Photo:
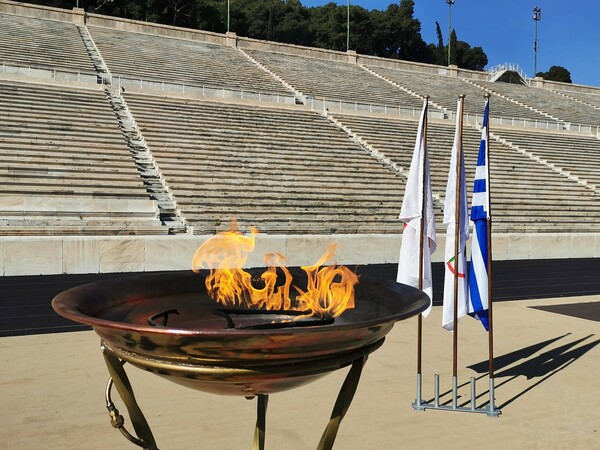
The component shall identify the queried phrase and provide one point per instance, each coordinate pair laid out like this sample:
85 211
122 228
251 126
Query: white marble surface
121 254
87 254
20 203
264 244
81 255
560 246
171 252
354 248
33 256
304 250
519 246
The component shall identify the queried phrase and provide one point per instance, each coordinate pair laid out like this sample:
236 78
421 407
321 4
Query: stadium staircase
104 75
64 166
528 154
548 101
573 97
529 195
155 184
377 154
402 88
580 164
40 43
300 97
491 88
444 91
286 171
142 156
335 81
586 98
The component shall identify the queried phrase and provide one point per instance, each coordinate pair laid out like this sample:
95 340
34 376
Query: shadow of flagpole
503 361
544 365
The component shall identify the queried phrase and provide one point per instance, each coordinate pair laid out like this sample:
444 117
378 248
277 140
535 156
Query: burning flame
329 291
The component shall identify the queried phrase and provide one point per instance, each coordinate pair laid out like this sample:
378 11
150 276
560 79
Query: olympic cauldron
169 325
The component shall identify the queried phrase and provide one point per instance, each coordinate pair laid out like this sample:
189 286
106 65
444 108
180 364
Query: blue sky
569 32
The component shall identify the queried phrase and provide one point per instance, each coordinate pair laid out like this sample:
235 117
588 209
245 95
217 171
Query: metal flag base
420 405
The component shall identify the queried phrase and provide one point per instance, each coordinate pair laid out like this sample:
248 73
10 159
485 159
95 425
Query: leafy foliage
556 73
392 33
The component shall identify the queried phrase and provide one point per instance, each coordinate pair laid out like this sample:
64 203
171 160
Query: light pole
450 3
228 16
537 16
348 29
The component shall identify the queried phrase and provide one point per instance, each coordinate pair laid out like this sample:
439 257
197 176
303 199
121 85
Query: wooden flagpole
459 157
421 242
492 406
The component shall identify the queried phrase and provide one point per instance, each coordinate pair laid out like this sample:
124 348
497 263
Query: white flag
413 207
450 265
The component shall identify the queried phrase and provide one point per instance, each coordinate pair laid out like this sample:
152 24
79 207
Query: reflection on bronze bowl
197 349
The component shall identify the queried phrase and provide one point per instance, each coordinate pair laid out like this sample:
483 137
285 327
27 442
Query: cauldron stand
145 439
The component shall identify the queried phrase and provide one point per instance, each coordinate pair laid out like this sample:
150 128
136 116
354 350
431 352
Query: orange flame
329 291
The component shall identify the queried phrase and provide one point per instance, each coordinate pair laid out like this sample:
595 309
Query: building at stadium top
125 144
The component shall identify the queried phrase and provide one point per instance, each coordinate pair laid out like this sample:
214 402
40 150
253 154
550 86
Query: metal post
457 214
473 394
537 16
436 390
450 3
348 29
228 16
419 399
489 259
492 406
422 236
454 391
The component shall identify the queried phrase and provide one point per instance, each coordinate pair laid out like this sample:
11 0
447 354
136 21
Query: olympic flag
414 208
453 200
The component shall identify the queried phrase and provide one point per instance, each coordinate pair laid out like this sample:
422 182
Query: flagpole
421 243
489 260
457 214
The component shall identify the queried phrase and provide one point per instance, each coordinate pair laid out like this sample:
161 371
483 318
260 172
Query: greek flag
480 214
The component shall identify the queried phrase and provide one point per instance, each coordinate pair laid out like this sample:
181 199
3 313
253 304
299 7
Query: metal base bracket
490 409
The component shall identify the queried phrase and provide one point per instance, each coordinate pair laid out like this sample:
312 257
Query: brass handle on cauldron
116 419
119 379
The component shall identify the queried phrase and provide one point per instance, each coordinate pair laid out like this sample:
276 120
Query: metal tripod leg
261 422
342 404
118 376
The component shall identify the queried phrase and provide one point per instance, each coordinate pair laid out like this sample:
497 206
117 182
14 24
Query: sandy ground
548 371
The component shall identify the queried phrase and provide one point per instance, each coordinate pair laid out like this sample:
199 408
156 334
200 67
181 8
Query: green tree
556 73
397 34
393 32
464 56
328 26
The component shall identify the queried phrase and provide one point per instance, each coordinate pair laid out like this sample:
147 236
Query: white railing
476 119
140 84
49 74
317 105
506 66
396 111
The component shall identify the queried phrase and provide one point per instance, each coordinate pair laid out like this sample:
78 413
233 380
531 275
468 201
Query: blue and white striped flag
480 214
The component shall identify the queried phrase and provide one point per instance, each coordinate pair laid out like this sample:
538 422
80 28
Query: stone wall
557 85
35 11
88 254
